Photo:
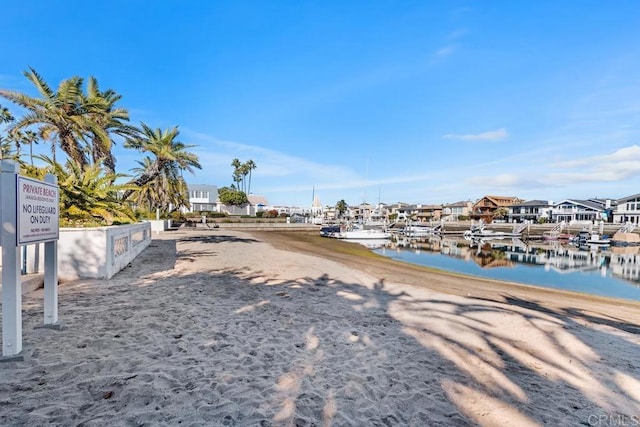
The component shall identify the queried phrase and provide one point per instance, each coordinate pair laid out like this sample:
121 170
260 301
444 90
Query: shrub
270 214
177 216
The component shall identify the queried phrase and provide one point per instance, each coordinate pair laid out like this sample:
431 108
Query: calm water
613 272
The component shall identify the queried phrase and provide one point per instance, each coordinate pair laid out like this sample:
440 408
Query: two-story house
485 208
453 211
531 210
203 198
428 213
627 210
570 210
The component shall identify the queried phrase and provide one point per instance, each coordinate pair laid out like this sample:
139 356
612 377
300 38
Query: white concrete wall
160 225
98 252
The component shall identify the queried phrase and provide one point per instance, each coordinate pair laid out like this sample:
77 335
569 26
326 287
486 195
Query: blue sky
413 101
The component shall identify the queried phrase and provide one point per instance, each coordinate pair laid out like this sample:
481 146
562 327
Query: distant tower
316 209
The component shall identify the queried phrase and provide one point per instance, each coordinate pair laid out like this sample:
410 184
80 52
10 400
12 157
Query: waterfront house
329 214
570 210
485 208
428 213
535 211
397 208
627 210
453 211
258 203
203 198
362 211
419 212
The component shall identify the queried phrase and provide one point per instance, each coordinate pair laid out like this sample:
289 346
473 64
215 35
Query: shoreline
611 309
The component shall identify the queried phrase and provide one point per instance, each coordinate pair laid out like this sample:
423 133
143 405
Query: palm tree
58 114
341 207
20 138
5 117
244 171
79 124
110 120
30 137
250 164
162 192
89 193
169 157
237 173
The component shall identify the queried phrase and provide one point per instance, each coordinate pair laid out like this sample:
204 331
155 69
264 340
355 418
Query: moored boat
477 231
358 233
418 230
354 231
329 230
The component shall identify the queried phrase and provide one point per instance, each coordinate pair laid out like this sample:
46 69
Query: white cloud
616 167
606 172
217 154
457 34
289 179
445 51
493 135
630 153
505 180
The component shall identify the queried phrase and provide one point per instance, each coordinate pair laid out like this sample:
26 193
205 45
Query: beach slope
223 328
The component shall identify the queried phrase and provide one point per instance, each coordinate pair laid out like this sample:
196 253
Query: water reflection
588 269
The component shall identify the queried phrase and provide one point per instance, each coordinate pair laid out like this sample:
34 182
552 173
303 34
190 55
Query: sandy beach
221 327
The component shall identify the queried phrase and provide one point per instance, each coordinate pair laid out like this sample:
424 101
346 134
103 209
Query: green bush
177 216
231 196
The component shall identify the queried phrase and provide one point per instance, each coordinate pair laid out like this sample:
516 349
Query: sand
221 328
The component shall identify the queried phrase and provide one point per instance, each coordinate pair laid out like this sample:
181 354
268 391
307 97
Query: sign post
29 214
11 281
51 272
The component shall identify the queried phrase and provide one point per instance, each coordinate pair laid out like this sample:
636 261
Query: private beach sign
38 216
29 213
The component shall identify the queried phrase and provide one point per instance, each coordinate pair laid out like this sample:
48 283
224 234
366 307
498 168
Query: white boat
596 239
330 230
359 234
587 238
478 232
418 230
359 231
